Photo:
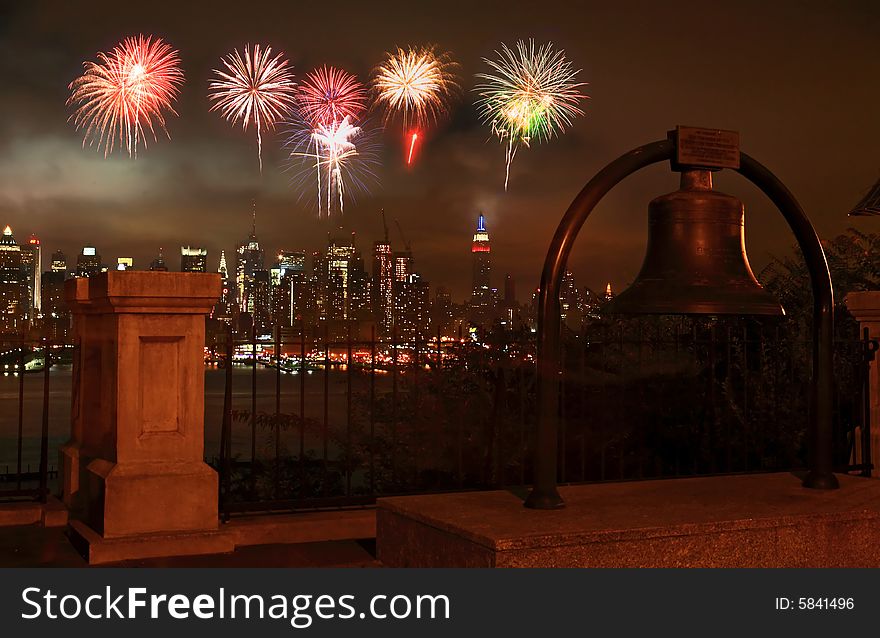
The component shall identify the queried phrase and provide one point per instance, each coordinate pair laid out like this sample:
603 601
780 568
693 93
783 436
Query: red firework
125 92
328 95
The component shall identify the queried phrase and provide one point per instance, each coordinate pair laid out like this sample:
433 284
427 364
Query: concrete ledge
20 513
764 520
302 528
96 549
267 529
52 513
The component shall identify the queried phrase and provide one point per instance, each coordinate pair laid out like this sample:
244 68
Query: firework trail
256 88
417 84
328 95
412 147
530 94
338 156
335 144
330 102
119 97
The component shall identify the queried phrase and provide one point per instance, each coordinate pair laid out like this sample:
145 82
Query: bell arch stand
544 493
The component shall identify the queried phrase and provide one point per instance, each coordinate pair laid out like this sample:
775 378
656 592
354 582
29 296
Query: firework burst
326 137
531 94
334 157
417 84
329 95
256 88
126 93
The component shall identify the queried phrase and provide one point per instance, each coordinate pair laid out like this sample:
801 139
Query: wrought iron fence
675 397
25 472
309 419
312 420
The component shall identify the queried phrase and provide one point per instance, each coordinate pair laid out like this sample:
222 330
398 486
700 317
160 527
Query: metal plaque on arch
706 148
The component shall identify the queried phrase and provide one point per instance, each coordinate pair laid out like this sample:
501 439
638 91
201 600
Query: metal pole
349 369
439 353
44 432
417 433
372 408
20 410
326 428
226 431
277 404
544 494
869 348
253 394
821 433
393 402
562 415
302 407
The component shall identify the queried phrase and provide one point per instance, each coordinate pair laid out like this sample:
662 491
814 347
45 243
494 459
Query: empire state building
481 296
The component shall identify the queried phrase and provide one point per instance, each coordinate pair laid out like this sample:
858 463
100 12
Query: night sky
799 80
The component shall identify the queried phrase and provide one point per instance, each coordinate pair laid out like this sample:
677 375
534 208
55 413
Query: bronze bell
696 260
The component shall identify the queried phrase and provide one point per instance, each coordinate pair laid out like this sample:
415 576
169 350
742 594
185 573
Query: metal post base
539 499
820 481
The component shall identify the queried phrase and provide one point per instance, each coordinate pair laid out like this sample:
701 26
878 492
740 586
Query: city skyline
206 176
196 252
328 290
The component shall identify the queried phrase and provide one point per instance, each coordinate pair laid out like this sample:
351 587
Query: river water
59 410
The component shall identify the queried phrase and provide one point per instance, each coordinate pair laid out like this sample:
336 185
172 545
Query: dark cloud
798 79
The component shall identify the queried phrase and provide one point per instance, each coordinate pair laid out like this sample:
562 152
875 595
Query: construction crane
403 237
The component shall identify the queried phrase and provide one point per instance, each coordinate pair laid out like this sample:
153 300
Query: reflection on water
59 409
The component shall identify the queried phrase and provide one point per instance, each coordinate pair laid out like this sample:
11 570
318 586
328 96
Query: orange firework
119 97
417 84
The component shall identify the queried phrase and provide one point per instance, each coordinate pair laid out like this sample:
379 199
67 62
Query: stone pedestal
134 468
865 307
760 520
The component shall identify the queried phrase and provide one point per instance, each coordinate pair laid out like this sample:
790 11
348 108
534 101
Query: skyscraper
88 262
222 269
291 261
509 307
570 302
249 259
340 256
286 276
13 287
383 282
158 264
403 265
32 264
193 259
223 308
609 294
481 295
509 290
442 312
59 262
359 290
262 302
412 305
55 313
